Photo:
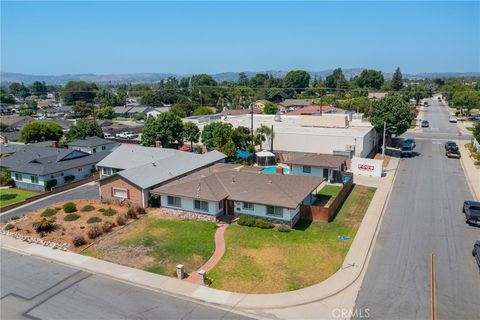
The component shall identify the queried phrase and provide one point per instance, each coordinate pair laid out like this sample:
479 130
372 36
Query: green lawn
469 128
158 243
327 192
12 195
266 260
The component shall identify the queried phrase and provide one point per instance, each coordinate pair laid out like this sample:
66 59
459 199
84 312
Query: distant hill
7 77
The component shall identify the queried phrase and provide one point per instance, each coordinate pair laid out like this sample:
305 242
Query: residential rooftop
91 142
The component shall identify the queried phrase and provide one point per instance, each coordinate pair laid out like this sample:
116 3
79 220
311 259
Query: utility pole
383 144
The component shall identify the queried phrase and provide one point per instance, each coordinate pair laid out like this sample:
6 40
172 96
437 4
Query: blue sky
193 37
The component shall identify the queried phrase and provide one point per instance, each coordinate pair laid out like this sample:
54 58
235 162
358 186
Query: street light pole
383 144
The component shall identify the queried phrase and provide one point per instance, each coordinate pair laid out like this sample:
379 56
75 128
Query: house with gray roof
93 145
228 189
130 172
36 168
327 166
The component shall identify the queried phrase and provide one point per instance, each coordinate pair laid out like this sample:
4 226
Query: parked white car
108 136
453 119
127 135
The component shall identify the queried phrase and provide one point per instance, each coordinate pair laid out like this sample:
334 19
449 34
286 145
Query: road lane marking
433 298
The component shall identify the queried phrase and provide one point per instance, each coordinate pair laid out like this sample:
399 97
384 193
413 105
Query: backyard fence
476 145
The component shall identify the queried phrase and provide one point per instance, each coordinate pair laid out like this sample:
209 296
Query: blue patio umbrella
243 154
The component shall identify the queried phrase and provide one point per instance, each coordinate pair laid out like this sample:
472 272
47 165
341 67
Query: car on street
452 151
126 135
452 119
410 141
474 118
406 150
425 103
425 124
476 252
108 136
449 144
471 209
439 99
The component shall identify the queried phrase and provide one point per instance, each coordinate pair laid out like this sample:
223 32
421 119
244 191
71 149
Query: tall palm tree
262 134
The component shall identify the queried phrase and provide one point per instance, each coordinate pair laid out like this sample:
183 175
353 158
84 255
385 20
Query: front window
307 169
200 205
120 193
18 176
174 201
248 206
274 211
34 179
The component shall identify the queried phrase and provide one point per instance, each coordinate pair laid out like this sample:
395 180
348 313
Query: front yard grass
157 243
12 195
327 192
266 261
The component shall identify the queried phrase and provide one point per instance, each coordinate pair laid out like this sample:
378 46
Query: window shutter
128 193
111 191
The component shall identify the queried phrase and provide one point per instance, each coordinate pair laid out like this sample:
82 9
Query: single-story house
260 104
130 172
15 122
131 110
5 110
12 136
293 104
326 166
229 189
35 167
93 145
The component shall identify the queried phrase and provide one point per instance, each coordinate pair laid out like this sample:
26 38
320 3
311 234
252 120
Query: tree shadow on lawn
302 225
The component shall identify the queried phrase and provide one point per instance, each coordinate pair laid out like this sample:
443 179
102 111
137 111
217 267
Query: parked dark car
476 252
453 152
425 124
410 141
407 150
472 212
473 118
449 144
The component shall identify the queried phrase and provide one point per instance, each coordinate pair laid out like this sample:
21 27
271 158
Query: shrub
94 220
69 178
263 224
49 184
5 178
122 219
69 207
48 212
101 210
141 210
109 212
107 226
87 208
44 224
284 228
94 231
71 217
79 241
8 227
247 221
131 214
14 218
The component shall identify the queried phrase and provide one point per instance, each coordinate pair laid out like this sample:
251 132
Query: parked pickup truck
472 212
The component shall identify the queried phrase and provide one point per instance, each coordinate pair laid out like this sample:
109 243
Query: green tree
83 109
393 110
6 98
263 134
84 128
222 139
79 91
370 79
107 97
242 79
297 79
202 111
191 133
270 108
19 90
466 99
38 131
476 131
39 89
26 112
397 80
241 138
106 112
208 133
166 128
202 80
336 80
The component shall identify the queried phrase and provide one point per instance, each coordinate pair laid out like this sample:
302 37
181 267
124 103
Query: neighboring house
60 111
130 172
293 104
93 145
207 118
5 110
376 95
314 110
34 167
157 111
64 123
326 166
234 190
260 104
6 137
130 110
15 122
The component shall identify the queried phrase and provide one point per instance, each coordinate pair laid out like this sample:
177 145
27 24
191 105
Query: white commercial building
329 133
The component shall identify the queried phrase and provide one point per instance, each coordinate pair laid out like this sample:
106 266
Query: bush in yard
49 184
69 178
131 214
107 226
79 241
94 220
94 231
263 224
247 221
141 210
44 224
8 227
101 210
48 212
87 208
122 219
69 207
109 212
71 217
284 228
15 218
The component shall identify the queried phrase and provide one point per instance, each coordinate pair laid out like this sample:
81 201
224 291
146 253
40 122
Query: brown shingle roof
235 183
317 160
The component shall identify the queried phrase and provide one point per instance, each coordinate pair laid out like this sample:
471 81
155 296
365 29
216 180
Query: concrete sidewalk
277 304
472 173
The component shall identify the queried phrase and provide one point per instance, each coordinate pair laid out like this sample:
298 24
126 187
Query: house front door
325 173
230 208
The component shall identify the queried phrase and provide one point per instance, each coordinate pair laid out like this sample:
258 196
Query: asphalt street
35 288
87 191
422 217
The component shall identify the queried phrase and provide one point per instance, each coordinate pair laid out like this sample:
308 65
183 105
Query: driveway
88 191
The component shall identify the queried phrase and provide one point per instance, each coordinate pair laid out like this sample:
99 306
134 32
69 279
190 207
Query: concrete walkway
471 171
317 299
215 258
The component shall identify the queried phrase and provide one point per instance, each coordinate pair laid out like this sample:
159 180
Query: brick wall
134 193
